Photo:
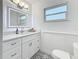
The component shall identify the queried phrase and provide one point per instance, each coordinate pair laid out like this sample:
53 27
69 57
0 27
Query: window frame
56 6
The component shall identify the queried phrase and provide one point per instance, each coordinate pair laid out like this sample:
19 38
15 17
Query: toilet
59 54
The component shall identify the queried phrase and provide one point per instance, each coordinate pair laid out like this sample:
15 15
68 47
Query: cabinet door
25 51
30 49
36 45
33 47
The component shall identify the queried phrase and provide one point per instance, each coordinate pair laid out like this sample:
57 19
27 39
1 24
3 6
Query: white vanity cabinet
12 49
21 46
30 45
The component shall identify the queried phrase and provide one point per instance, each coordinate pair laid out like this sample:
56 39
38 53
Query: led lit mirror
17 18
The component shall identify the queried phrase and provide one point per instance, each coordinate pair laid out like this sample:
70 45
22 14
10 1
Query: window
56 13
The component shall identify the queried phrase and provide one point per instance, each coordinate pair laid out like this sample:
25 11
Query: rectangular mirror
17 18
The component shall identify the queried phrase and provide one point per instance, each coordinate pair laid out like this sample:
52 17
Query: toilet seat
61 54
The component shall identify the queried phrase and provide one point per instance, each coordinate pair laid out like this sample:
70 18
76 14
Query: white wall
48 42
69 26
1 29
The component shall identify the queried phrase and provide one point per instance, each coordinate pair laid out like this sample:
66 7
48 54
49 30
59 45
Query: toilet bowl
59 54
75 45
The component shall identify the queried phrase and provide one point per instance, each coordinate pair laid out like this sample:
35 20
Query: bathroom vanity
21 46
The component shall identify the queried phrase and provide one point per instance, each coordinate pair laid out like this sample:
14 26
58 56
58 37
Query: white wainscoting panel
53 40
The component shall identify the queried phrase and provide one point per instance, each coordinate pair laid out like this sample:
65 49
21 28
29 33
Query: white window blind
56 13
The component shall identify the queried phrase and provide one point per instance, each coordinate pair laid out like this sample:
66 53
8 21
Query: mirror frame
8 17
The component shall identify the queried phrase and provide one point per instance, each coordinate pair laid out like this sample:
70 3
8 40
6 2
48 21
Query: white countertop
13 36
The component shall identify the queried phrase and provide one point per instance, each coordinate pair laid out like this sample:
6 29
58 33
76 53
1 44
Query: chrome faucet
22 29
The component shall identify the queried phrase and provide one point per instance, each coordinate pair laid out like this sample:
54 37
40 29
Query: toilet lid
61 54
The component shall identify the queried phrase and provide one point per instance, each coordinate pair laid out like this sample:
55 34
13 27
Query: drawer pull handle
30 44
13 44
13 55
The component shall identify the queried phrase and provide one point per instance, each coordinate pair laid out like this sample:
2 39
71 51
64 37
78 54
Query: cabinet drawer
27 38
35 36
11 45
12 54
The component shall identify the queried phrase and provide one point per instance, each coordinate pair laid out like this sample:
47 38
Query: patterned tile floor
41 55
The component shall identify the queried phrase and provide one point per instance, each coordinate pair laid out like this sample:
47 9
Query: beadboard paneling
62 41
